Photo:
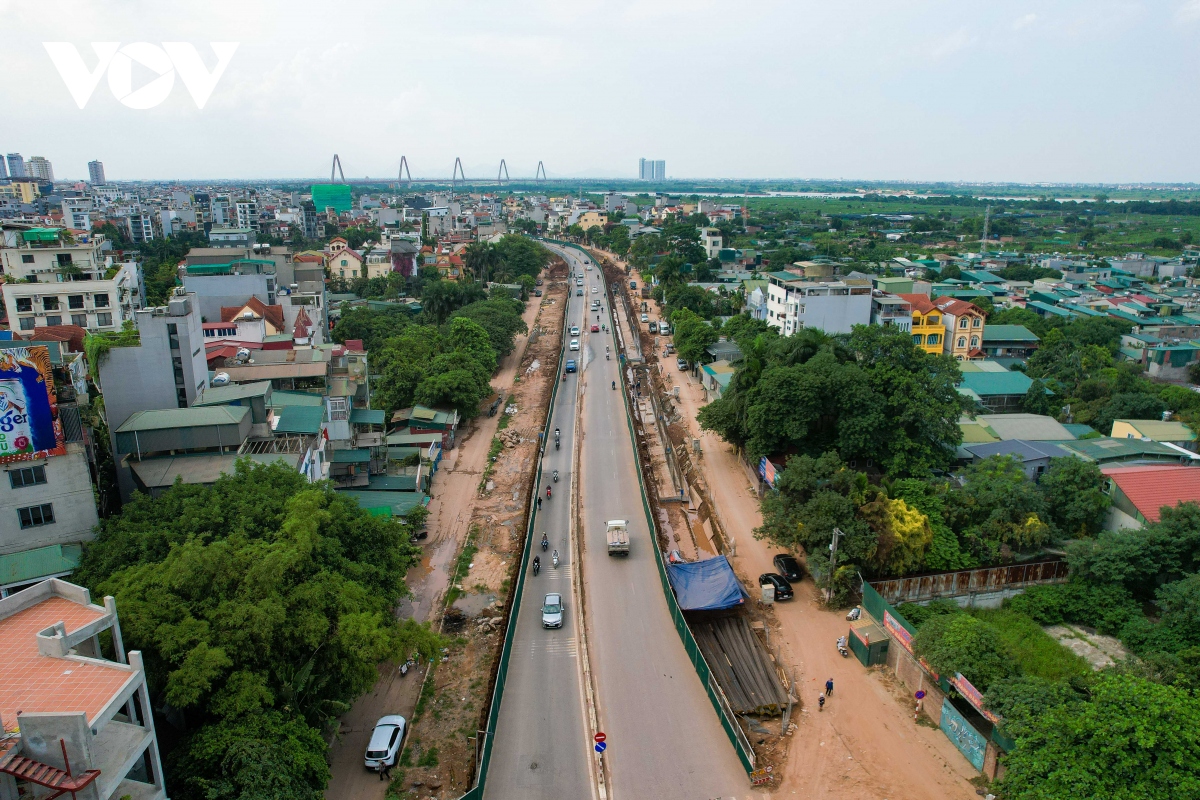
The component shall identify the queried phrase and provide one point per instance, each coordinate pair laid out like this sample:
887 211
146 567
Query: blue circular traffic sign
601 747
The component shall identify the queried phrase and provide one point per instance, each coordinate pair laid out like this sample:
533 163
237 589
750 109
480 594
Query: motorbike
556 476
606 356
557 444
545 541
614 384
554 558
537 565
842 648
854 614
547 492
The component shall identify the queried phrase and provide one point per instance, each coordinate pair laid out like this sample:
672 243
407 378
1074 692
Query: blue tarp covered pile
708 585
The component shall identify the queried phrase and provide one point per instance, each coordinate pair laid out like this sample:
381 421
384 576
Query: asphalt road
664 738
542 745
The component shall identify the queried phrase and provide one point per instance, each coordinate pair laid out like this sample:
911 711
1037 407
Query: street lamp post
833 546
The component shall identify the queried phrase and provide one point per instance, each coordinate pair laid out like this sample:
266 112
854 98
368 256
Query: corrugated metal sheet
38 563
971 581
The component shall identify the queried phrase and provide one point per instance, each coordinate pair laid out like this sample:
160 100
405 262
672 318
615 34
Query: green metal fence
485 758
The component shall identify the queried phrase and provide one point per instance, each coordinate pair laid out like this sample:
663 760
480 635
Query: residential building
77 213
139 226
890 310
73 720
1009 342
834 307
100 303
710 240
928 330
46 255
221 214
246 214
347 264
40 168
649 170
16 166
1154 430
1027 427
196 445
592 219
223 284
3 170
964 324
1139 493
242 237
993 386
1034 456
96 173
1105 450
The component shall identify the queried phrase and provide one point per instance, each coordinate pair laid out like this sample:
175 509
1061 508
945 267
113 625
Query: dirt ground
490 511
865 743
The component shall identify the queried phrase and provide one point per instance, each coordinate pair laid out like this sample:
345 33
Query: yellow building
21 191
963 324
592 219
927 328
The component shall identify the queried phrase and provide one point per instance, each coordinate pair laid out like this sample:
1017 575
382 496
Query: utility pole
983 241
833 547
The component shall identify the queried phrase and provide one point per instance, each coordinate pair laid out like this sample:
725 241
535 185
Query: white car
552 611
595 289
574 344
645 318
574 330
386 740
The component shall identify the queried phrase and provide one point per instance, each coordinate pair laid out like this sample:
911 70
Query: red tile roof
272 314
1150 488
956 307
71 334
31 682
919 302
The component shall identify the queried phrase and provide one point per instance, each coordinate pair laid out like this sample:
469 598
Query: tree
692 335
999 511
1037 401
902 532
964 644
1140 560
1131 739
1128 405
1021 699
945 551
1075 496
500 317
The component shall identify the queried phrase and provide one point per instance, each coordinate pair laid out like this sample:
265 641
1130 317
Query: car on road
538 282
579 292
595 290
574 330
574 344
783 589
595 328
595 304
633 284
384 748
654 327
664 328
552 611
570 365
682 364
537 292
788 566
645 318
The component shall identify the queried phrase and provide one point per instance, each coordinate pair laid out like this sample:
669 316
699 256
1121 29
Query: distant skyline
1022 92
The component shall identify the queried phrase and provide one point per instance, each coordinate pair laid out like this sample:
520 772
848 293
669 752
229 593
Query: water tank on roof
248 315
243 354
220 379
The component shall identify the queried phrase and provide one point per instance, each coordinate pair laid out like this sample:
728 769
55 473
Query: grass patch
1034 650
493 454
429 758
461 565
395 789
504 420
427 694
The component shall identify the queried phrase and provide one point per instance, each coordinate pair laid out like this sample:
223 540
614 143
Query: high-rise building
38 167
3 170
16 166
652 170
96 173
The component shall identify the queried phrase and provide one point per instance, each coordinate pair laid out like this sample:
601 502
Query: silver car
386 741
552 611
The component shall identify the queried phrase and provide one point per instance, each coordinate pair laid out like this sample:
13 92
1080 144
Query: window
74 301
962 323
933 339
974 341
962 341
933 320
79 319
104 320
975 323
64 259
24 304
100 300
27 323
918 339
54 319
181 397
36 516
29 476
50 303
26 258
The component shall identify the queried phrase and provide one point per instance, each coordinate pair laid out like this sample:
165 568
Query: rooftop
219 395
987 384
195 417
300 419
1158 430
1031 427
1008 333
1150 488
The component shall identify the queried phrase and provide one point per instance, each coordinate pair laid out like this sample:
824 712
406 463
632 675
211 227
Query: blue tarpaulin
707 585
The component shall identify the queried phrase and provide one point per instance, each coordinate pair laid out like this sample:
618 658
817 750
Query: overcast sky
1086 91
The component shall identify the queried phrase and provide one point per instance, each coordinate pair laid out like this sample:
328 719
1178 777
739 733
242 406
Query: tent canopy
708 585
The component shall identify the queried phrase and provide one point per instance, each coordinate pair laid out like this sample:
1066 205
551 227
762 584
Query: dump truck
618 537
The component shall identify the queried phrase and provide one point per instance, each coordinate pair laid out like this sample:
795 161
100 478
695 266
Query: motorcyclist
537 564
545 540
556 476
547 491
614 384
554 557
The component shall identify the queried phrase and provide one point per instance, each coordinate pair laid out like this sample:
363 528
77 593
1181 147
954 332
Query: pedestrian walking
385 772
539 504
829 687
821 703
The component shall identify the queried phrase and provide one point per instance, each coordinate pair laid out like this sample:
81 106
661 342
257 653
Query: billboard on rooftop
29 424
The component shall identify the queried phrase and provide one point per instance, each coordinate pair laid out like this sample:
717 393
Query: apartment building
96 173
77 213
834 307
928 330
888 310
71 282
40 168
963 323
710 240
246 214
73 720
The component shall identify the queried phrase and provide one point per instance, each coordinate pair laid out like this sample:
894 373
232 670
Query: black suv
788 567
783 589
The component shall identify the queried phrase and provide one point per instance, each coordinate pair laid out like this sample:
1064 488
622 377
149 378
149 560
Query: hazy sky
1083 90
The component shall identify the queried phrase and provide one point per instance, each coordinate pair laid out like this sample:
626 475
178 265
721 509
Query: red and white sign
600 737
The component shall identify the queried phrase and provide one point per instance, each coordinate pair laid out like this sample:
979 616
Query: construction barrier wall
485 758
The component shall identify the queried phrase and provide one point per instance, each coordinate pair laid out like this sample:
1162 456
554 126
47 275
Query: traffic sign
600 737
601 747
920 695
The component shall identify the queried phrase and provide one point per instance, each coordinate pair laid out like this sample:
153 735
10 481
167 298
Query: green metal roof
1106 449
220 395
195 417
1008 333
281 398
1078 429
41 562
224 269
432 437
987 384
300 419
399 502
393 483
359 456
367 416
41 234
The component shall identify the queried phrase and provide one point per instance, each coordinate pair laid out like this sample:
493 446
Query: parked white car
386 740
574 344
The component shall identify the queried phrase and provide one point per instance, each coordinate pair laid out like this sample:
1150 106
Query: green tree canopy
1075 496
965 644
